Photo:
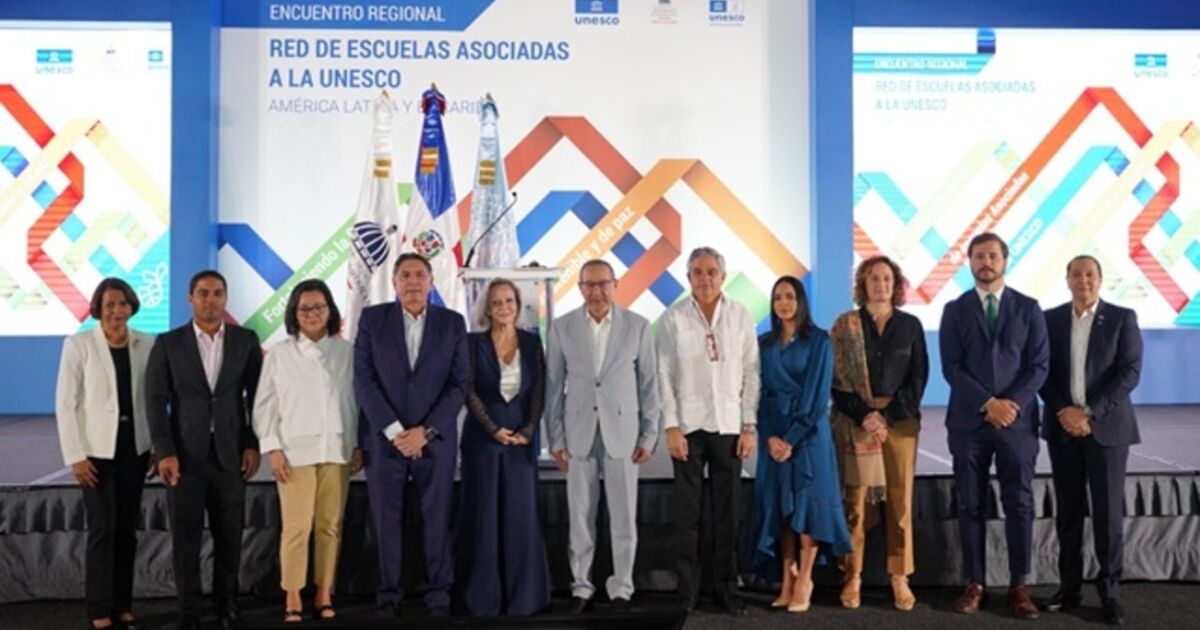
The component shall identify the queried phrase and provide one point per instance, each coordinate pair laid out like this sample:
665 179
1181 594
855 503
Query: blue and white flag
433 229
378 224
498 249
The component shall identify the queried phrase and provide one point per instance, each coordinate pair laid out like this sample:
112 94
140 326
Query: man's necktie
991 313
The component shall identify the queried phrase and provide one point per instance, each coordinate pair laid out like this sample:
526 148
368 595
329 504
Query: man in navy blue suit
410 374
995 357
1089 424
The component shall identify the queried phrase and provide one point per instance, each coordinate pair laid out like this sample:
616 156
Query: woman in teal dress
797 495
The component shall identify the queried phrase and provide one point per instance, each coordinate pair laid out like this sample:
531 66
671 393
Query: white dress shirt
601 331
698 391
999 293
510 376
305 403
414 332
1081 331
212 352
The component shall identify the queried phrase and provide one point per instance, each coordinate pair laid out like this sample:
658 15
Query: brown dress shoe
972 596
1021 605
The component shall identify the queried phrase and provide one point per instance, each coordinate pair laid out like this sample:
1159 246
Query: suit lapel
1094 334
975 305
137 361
192 349
527 357
101 346
426 337
616 330
400 324
581 330
1007 305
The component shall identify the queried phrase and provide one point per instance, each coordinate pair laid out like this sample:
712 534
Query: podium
536 285
537 290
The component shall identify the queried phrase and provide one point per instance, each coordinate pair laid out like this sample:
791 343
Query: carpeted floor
1161 606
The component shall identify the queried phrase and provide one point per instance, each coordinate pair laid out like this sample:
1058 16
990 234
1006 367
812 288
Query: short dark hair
113 284
988 237
207 273
899 282
804 322
407 256
1099 268
598 262
292 322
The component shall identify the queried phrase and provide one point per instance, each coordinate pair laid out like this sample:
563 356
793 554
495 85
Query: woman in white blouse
105 440
305 416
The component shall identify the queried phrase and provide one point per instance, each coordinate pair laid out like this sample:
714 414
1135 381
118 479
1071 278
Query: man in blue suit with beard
995 356
410 374
1089 425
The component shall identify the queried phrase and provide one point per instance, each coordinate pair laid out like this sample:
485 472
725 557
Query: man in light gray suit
602 414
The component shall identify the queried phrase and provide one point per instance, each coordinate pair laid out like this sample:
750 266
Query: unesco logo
726 12
597 13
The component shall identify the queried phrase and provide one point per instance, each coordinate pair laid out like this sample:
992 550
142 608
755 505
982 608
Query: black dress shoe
439 611
229 621
132 624
687 603
621 605
733 606
1114 615
187 623
1062 601
390 610
579 605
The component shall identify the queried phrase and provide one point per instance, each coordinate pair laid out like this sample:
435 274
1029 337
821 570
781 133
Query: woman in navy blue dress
797 497
502 565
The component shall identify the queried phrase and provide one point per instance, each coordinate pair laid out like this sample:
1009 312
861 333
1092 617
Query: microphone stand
509 207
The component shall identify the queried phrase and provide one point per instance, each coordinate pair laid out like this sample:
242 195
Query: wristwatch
431 434
749 428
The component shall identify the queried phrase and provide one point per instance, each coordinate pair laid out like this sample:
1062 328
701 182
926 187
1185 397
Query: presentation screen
1064 142
631 131
85 148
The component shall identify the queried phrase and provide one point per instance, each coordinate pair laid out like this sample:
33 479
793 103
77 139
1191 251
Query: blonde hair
482 317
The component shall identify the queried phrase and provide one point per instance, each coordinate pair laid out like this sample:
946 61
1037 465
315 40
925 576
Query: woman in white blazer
306 419
105 440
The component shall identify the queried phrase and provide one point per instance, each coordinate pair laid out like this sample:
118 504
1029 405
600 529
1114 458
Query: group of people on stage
834 418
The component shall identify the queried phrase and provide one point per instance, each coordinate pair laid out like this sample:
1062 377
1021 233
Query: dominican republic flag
378 224
433 229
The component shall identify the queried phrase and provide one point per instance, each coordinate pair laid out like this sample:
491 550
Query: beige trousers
314 496
899 460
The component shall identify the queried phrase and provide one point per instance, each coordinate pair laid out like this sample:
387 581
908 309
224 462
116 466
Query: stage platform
42 520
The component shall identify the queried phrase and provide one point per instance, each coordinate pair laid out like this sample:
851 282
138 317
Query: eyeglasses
316 309
714 352
595 284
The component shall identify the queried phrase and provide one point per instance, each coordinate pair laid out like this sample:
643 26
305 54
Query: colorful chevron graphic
1059 216
72 240
609 227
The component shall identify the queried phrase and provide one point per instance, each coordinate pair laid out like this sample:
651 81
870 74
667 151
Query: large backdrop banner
1063 141
85 122
632 131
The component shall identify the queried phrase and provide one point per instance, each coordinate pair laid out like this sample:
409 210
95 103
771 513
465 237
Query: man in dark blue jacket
1089 425
995 357
410 374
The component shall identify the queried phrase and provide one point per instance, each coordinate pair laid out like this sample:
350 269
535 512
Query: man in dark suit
995 357
200 384
1089 424
410 374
